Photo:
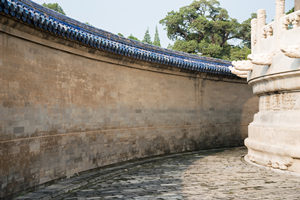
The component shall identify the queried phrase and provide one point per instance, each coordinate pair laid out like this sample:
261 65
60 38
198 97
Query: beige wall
65 108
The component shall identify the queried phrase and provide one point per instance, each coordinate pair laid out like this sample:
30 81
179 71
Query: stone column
280 9
261 22
280 12
253 34
297 5
261 19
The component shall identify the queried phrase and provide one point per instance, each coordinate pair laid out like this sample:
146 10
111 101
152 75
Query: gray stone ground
214 174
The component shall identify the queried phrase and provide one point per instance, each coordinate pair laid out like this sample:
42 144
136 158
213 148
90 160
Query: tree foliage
133 37
147 37
291 11
203 27
156 40
245 31
87 23
54 6
239 53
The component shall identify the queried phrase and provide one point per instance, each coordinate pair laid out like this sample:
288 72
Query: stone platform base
280 171
274 146
274 135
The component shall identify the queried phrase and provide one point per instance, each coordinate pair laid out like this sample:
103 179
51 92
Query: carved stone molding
292 51
239 73
243 65
291 21
277 102
285 81
261 59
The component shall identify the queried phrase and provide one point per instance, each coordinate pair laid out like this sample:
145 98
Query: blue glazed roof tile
63 26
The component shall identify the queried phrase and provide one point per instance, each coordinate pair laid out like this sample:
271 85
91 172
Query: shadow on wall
250 108
227 108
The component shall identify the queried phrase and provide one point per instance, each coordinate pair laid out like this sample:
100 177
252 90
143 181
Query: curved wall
67 108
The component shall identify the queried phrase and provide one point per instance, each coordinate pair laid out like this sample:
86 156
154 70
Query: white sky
135 16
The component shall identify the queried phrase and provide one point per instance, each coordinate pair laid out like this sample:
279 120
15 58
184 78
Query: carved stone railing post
261 22
253 34
280 12
297 5
280 9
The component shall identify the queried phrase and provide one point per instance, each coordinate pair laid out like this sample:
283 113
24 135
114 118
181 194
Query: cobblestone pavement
214 174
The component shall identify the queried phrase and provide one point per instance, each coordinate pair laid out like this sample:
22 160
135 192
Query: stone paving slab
215 174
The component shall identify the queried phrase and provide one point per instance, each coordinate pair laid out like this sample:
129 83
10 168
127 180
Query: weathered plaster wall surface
65 108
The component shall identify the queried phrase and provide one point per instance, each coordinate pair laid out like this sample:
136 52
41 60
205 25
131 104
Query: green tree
291 11
190 46
120 34
133 37
245 31
170 46
54 6
204 27
156 41
239 53
147 37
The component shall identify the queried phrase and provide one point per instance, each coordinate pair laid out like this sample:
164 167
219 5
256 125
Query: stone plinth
274 135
